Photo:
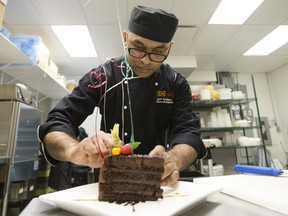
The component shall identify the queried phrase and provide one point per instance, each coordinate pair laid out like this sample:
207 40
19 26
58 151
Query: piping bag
258 170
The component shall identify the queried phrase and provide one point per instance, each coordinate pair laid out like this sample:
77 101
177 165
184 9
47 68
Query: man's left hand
171 173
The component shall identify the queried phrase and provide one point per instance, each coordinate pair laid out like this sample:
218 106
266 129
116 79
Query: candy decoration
126 149
116 151
115 135
119 148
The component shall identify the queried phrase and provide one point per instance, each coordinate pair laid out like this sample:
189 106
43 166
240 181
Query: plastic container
218 170
237 95
248 141
225 94
205 94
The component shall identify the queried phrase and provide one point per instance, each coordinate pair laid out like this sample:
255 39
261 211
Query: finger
169 167
171 179
95 150
157 151
87 146
106 139
100 146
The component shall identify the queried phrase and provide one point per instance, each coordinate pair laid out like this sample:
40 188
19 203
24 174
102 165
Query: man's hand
171 173
89 152
180 157
92 150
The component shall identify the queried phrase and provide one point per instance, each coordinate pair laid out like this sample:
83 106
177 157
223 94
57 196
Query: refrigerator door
27 144
18 134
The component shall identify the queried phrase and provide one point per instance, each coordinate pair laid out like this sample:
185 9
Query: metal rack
206 105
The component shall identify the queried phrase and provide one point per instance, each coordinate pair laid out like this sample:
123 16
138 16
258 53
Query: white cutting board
83 200
267 191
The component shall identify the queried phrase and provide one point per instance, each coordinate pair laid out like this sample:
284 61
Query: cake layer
123 198
142 162
124 188
131 177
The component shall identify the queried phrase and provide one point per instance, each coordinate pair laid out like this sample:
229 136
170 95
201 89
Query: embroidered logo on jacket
164 97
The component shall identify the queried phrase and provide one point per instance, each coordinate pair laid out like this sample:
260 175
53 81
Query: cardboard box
52 69
2 10
43 56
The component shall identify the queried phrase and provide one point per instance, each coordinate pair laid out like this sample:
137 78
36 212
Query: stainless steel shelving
16 64
204 105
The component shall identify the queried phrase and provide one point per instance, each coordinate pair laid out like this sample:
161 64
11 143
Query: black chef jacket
159 103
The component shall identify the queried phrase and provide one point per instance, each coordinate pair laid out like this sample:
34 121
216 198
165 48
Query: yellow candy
116 150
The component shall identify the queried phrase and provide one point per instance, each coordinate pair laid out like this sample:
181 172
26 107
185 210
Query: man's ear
125 36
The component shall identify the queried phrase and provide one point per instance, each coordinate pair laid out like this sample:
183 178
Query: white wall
270 108
278 82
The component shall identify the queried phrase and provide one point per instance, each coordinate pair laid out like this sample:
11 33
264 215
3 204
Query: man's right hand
89 152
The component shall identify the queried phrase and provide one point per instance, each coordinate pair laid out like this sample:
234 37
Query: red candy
125 149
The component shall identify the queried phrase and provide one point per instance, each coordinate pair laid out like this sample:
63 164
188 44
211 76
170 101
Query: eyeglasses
155 57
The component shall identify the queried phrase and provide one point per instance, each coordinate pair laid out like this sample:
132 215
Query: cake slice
131 178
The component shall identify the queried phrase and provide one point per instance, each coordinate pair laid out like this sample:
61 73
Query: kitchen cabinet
221 131
16 64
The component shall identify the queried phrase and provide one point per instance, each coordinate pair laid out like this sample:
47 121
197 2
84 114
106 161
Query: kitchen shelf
237 146
16 64
204 107
228 128
214 103
10 53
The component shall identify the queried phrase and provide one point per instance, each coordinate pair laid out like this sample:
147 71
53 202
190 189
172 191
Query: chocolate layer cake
131 178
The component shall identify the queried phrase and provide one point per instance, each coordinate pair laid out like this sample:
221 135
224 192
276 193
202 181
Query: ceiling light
277 38
76 40
234 11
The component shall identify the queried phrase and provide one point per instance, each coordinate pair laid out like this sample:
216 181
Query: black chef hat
152 23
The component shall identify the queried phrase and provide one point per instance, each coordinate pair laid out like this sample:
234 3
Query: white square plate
83 200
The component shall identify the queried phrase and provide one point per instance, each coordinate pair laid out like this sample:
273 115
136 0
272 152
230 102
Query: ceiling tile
56 12
194 12
105 12
244 39
22 12
270 12
185 33
113 37
180 48
212 38
266 64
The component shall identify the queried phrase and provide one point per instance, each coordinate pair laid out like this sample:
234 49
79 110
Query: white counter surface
249 195
267 191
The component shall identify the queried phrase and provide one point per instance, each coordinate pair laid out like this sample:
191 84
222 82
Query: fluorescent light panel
270 43
75 39
234 12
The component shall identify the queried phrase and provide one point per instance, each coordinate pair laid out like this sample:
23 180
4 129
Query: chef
149 99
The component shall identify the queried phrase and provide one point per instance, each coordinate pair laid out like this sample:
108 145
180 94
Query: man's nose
145 59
